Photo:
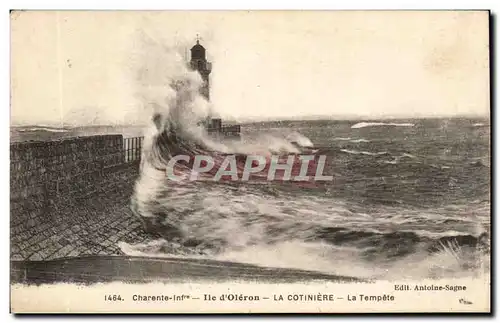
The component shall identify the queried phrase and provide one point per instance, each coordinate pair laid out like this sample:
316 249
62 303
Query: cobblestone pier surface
68 226
75 238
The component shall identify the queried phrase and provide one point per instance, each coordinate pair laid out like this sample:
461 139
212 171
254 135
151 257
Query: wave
359 140
176 129
397 159
41 128
300 140
408 156
372 124
358 152
351 140
343 251
449 261
267 224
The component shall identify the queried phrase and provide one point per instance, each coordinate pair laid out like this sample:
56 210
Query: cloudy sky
265 64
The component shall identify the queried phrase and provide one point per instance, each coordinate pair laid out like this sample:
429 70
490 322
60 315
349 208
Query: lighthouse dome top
197 51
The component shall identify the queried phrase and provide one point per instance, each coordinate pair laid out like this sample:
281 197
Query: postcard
250 162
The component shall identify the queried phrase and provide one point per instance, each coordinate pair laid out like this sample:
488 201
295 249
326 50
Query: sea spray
169 91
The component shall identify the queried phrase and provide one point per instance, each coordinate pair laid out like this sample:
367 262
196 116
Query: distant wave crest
357 152
351 140
372 124
41 128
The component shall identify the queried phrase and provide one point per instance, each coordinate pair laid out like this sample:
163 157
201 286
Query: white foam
372 124
351 140
42 129
300 139
408 155
450 261
359 140
356 152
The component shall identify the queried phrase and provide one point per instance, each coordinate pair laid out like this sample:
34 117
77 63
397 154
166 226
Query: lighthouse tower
199 63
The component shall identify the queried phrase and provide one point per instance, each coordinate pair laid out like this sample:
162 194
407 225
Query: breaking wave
300 140
270 224
41 128
351 139
373 124
178 112
357 152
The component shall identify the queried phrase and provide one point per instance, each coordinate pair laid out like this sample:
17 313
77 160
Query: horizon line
263 119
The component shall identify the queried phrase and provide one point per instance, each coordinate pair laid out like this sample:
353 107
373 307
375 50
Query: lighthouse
199 63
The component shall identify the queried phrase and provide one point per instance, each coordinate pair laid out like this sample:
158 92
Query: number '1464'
112 298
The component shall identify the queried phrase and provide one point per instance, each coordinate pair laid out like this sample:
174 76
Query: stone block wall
69 166
71 197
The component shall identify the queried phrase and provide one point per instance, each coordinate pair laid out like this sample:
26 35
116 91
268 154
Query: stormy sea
409 199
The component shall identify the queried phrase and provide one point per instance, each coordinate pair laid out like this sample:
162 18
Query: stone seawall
71 197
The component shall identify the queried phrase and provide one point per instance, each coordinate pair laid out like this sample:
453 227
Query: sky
269 64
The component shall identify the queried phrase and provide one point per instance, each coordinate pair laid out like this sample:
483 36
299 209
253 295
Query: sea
409 199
